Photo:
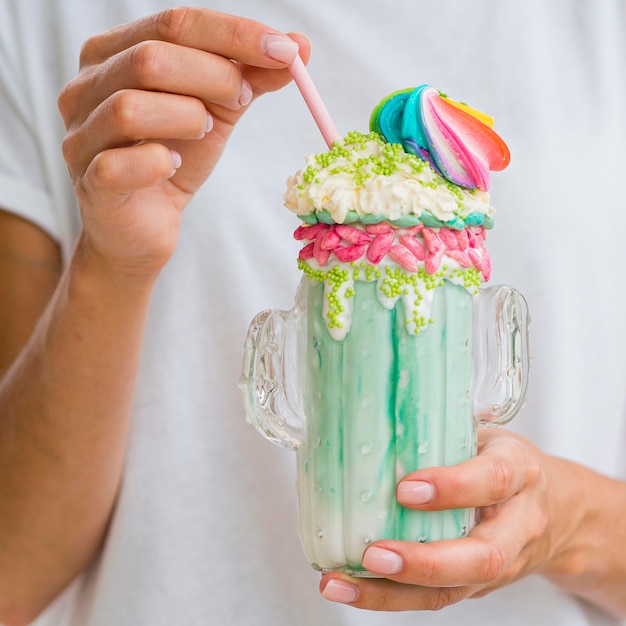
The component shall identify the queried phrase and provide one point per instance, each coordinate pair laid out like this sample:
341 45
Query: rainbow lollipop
455 139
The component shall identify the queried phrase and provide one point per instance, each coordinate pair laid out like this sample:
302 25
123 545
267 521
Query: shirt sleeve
24 188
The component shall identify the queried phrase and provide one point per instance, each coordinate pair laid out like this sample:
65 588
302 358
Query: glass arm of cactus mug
272 382
501 358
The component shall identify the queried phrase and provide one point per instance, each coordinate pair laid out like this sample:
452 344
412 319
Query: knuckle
225 82
380 601
104 171
230 80
428 569
68 147
89 51
458 482
494 563
63 102
67 99
172 23
124 111
443 597
502 479
512 572
239 33
148 61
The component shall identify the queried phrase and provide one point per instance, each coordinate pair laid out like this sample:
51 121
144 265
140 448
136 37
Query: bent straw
313 101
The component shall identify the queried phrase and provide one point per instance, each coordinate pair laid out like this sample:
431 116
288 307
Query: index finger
504 466
230 36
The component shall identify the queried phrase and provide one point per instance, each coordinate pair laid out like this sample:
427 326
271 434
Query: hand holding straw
313 101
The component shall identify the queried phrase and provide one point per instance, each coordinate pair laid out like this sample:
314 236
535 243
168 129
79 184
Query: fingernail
177 161
415 492
340 591
279 48
382 561
245 97
209 123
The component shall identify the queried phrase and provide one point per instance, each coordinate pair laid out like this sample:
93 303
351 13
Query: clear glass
363 412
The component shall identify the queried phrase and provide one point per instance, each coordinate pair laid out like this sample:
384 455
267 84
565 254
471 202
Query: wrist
131 272
588 531
96 288
571 514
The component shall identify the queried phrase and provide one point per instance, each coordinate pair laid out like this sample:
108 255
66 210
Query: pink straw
313 101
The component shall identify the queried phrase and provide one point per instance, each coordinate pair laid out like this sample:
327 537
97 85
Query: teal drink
394 353
379 404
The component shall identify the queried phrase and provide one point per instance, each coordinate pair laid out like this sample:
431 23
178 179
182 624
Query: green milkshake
379 404
372 375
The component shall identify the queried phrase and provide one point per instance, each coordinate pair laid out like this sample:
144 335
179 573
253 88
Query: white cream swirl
364 175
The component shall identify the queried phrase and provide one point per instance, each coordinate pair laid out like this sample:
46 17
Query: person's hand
522 529
147 118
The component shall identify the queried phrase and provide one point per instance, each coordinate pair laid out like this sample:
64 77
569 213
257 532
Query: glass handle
269 380
501 359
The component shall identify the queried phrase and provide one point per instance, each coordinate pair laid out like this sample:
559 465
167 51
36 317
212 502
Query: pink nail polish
177 160
245 96
279 48
340 591
209 123
382 561
415 492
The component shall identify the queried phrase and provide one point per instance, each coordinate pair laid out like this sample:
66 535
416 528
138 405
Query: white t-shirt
204 530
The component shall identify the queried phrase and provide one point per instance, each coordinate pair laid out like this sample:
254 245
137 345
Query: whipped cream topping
364 176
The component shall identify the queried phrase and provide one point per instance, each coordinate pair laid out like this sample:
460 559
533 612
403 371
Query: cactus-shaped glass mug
370 394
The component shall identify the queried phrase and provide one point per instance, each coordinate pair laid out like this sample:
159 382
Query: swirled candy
455 139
